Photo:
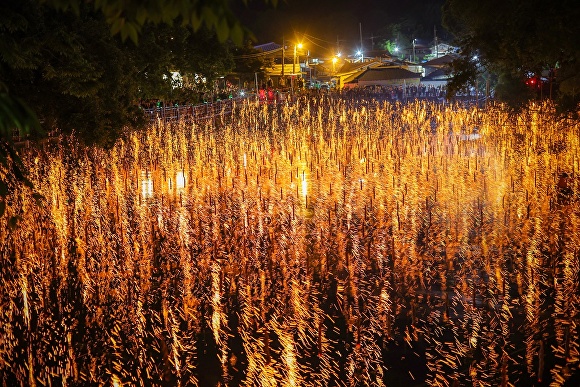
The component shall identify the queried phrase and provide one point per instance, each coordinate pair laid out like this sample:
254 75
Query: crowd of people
271 92
267 92
398 93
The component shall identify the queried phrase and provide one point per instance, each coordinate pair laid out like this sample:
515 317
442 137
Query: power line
257 54
314 43
314 37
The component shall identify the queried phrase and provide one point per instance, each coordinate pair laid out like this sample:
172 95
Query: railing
194 112
211 110
226 107
164 114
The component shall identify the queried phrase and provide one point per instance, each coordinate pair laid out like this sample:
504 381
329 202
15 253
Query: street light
299 45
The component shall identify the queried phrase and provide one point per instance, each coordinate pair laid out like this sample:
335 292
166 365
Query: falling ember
24 289
322 242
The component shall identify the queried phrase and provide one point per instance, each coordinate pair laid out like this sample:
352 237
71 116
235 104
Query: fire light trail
323 242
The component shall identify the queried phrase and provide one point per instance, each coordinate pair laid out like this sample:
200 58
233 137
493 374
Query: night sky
325 21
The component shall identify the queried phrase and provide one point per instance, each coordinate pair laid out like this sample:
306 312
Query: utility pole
436 44
373 41
486 90
362 54
339 43
294 62
283 54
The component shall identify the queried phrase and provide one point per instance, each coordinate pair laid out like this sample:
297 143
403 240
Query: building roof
350 79
442 61
349 67
438 75
384 73
378 54
387 73
267 47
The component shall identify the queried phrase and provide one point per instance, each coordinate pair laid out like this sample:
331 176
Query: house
437 78
269 48
442 49
350 70
437 63
417 51
438 70
286 67
383 76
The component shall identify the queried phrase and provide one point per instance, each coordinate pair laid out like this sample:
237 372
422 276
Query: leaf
2 207
3 188
99 4
75 7
124 33
15 114
117 26
237 34
141 16
222 30
133 31
195 21
209 17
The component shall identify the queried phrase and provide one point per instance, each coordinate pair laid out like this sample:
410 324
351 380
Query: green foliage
165 49
391 47
75 70
409 20
16 118
465 73
61 66
515 39
513 90
81 79
249 61
128 17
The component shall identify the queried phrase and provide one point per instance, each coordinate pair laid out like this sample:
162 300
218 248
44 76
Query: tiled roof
439 74
382 74
348 67
441 61
387 73
268 47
